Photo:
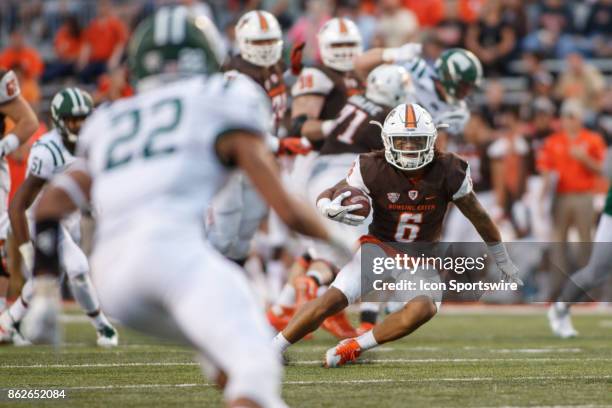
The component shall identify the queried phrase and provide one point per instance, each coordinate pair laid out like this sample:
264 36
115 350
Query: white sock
280 342
367 341
17 310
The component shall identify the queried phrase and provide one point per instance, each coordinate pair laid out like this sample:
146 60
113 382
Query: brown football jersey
409 208
334 85
353 132
269 78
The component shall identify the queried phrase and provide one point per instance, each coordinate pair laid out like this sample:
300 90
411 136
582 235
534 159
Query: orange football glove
296 58
290 146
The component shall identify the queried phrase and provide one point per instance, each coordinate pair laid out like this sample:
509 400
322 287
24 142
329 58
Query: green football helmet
459 71
66 106
174 43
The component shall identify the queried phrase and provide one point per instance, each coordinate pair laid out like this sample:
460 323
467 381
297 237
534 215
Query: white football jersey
49 156
154 153
424 93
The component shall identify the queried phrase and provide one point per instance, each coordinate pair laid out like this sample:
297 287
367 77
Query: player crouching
408 163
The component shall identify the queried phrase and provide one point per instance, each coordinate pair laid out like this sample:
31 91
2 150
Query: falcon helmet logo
393 197
413 194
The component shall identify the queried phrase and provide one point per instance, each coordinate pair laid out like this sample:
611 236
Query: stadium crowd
548 67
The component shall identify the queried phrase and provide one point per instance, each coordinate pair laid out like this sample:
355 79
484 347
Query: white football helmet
388 85
259 38
339 42
409 136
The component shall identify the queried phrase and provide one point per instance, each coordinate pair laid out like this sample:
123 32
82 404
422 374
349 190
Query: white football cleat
108 337
560 321
41 323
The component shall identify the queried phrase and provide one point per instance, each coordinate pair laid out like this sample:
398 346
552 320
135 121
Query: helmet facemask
409 151
263 53
340 56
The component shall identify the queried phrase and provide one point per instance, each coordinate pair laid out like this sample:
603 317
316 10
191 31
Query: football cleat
107 337
560 322
280 321
6 330
339 326
347 351
364 327
41 323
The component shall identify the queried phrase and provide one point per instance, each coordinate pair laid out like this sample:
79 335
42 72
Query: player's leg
11 318
399 324
76 266
237 340
580 283
345 289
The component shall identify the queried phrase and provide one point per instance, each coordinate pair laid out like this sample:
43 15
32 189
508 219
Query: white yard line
313 362
366 381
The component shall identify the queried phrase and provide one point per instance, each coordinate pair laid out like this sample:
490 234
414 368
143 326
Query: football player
238 210
442 91
319 93
344 137
409 162
152 163
14 107
53 154
592 275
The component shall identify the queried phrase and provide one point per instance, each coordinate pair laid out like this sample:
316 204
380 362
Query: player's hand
289 146
334 210
297 52
509 273
27 254
403 53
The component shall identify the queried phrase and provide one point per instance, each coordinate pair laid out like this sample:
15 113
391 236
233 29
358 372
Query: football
357 197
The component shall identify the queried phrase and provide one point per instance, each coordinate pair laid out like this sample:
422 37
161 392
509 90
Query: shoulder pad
312 81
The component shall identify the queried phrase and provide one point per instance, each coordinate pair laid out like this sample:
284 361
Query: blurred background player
53 154
14 107
238 210
409 163
187 132
343 138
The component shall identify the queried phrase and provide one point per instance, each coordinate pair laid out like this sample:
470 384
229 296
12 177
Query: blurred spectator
491 39
515 16
365 22
396 25
494 103
18 53
429 13
112 86
469 10
599 27
432 47
553 34
542 123
603 121
509 155
307 26
582 81
105 39
574 155
68 44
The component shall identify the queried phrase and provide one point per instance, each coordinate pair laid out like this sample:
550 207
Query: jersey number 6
408 227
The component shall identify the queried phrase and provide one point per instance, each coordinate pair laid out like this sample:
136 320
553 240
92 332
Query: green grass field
487 359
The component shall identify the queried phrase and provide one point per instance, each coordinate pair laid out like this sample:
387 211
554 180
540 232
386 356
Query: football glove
334 210
296 58
509 271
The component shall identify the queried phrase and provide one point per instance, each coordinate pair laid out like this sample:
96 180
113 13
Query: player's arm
22 200
65 194
480 219
370 59
26 123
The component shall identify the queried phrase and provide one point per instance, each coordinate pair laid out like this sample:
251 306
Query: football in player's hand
357 197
